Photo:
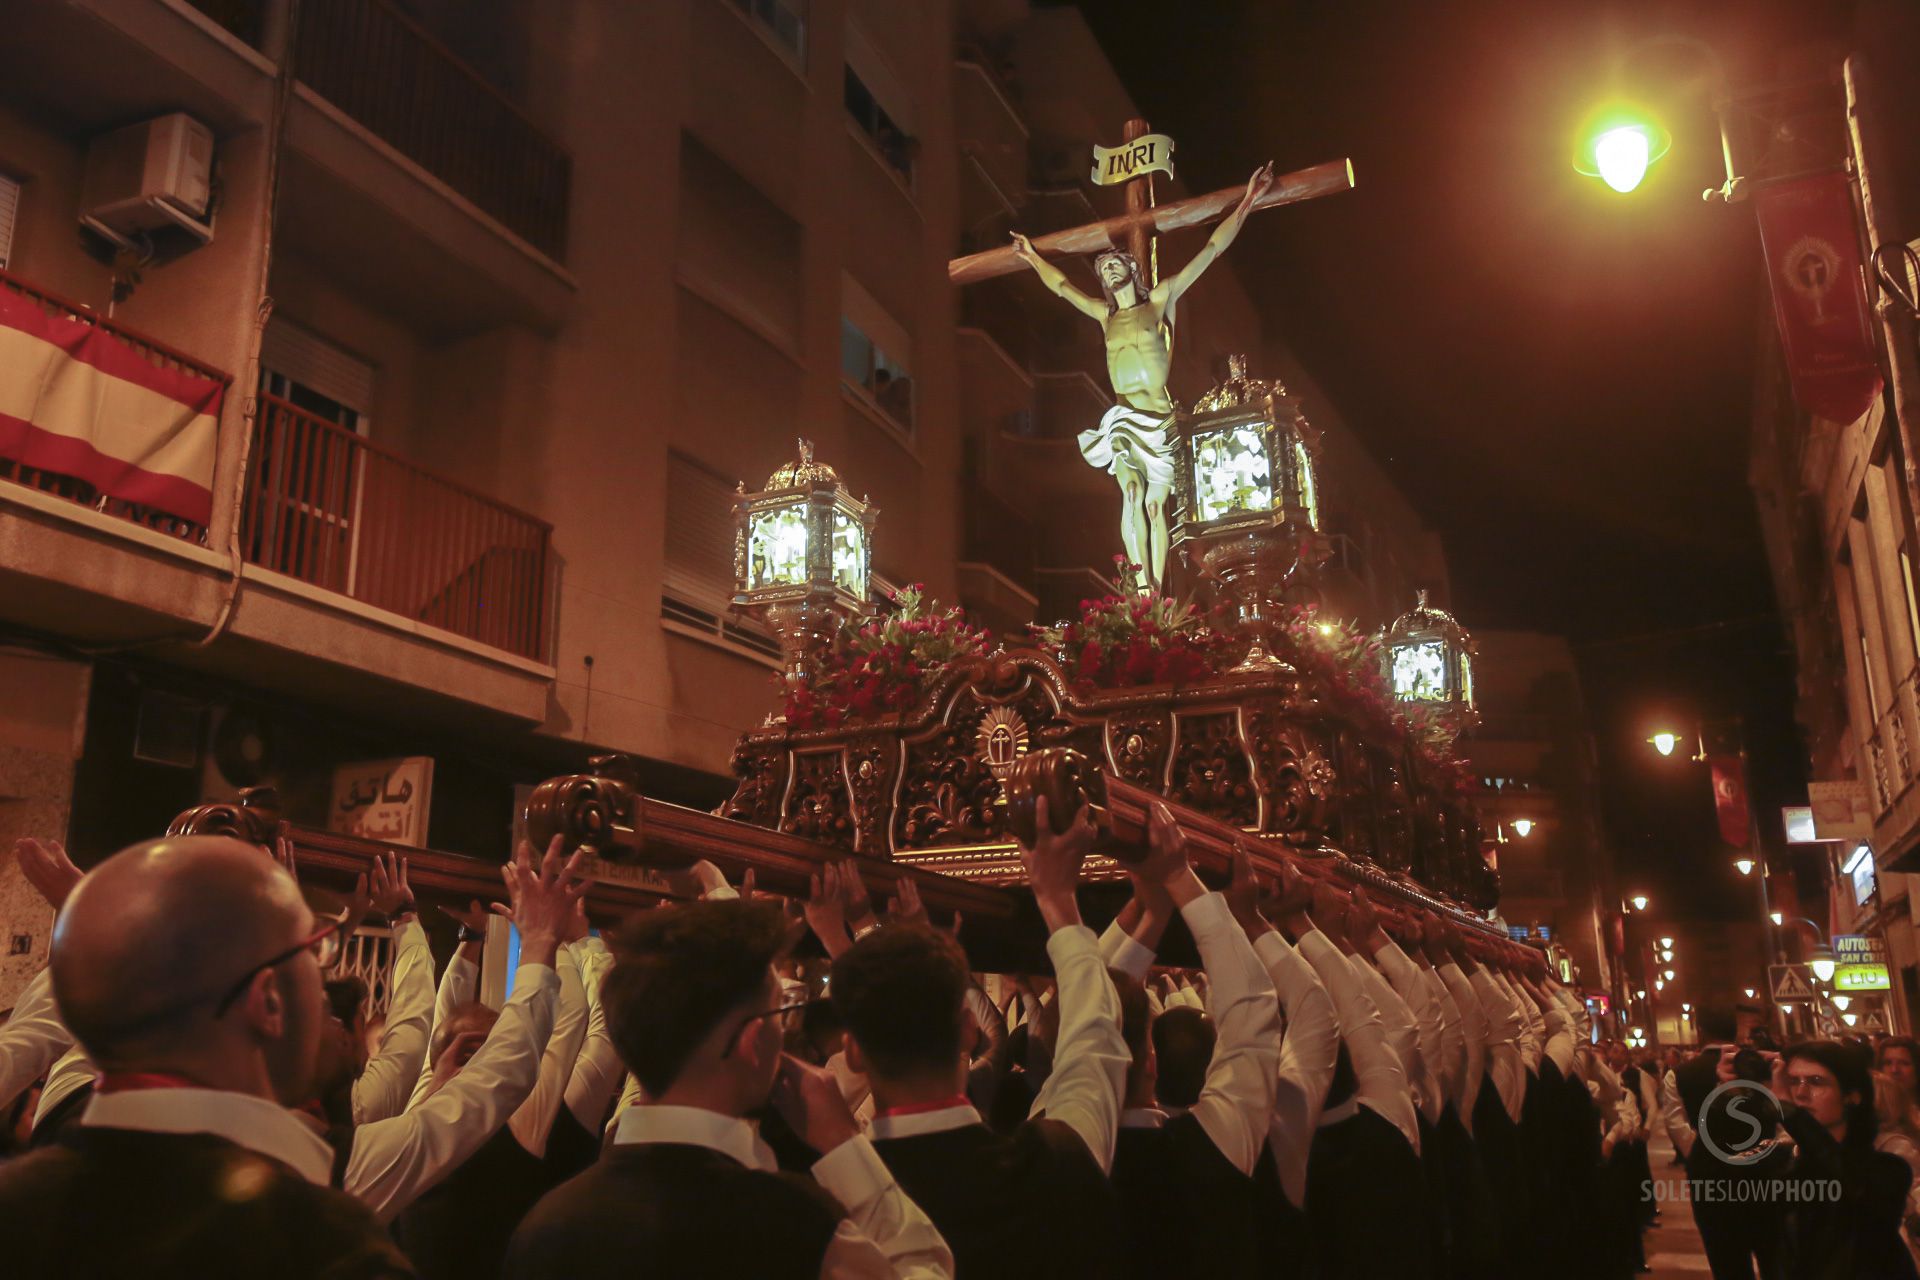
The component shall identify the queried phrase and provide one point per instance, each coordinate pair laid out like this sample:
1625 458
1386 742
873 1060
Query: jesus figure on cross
1131 441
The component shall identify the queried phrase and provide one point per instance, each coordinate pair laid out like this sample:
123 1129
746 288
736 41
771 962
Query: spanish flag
78 400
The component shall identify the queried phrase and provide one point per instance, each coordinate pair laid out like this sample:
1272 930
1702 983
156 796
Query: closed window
784 20
696 593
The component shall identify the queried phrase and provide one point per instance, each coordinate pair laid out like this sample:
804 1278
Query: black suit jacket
1188 1210
105 1204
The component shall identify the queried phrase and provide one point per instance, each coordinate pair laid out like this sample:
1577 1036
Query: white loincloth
1131 437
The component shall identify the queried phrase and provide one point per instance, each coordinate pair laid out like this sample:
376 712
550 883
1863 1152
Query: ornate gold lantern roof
802 472
1239 389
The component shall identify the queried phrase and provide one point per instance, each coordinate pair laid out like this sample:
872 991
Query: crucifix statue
1137 316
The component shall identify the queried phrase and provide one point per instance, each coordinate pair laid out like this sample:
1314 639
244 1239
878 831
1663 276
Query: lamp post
802 554
1249 501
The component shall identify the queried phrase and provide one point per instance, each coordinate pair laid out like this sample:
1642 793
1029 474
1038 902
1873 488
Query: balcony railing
1889 750
332 509
153 352
380 67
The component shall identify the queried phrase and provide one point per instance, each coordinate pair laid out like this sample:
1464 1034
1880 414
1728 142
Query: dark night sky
1558 377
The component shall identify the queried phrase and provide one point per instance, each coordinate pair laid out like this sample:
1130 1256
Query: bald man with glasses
189 969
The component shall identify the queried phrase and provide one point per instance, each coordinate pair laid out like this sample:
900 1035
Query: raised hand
541 897
1330 914
47 868
696 881
1166 863
856 903
281 852
387 885
906 907
1258 185
1023 249
1053 864
1295 898
1363 922
1243 895
810 1100
473 916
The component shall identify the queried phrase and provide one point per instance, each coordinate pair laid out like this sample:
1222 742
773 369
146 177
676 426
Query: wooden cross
1133 229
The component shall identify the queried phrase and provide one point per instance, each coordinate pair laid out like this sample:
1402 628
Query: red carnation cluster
879 666
1125 639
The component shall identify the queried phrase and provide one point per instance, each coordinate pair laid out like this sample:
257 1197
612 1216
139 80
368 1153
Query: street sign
1858 948
1862 977
1874 1026
1791 983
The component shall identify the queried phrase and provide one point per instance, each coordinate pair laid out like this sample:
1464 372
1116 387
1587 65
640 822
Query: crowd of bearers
1338 1089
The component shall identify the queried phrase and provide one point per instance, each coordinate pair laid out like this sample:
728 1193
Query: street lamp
1841 1002
1618 145
1748 992
1665 742
1666 944
1849 1018
1640 901
1667 974
1743 865
1523 827
1776 918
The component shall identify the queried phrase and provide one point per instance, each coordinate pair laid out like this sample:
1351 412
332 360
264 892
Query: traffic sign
1874 1026
1791 983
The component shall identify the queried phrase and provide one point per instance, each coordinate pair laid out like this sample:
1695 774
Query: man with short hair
1034 1201
693 1004
189 969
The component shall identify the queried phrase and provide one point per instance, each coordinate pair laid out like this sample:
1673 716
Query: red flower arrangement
1128 638
880 665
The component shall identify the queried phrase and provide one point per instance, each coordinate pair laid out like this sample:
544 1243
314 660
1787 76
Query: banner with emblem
1819 293
1730 799
1149 153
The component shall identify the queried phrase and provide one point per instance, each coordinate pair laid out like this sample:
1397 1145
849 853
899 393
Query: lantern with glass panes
1249 501
802 552
1429 663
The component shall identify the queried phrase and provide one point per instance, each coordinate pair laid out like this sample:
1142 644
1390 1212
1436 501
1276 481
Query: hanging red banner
1819 293
1730 799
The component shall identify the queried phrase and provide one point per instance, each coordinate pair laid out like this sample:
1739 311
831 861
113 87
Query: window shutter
699 561
313 362
9 210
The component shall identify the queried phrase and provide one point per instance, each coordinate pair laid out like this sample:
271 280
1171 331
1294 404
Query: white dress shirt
1121 950
261 1125
534 1120
32 1038
1673 1114
382 1089
1308 1052
1382 1080
1410 985
1504 1030
1090 1058
884 1234
1532 1039
457 985
1559 1044
1396 1020
597 1070
1473 1032
1452 1064
1236 1102
394 1161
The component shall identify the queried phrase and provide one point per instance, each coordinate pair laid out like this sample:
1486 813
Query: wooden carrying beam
1326 179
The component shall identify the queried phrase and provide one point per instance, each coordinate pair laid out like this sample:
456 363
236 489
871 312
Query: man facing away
693 1004
1034 1202
189 969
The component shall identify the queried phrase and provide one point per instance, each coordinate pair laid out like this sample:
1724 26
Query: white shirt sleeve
1559 1045
1090 1059
1410 984
1121 950
534 1120
1673 1114
1237 1098
1474 1032
1531 1039
382 1089
1308 1052
1396 1020
885 1233
597 1070
393 1161
1452 1067
1382 1080
73 1070
457 986
32 1039
1504 1022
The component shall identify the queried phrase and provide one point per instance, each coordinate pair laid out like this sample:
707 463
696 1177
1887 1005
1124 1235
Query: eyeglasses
326 943
786 1013
1811 1083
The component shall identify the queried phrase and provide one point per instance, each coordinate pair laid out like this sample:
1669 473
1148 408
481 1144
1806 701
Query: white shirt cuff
853 1172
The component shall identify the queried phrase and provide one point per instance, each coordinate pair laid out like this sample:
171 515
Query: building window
9 209
876 355
1913 612
784 20
888 137
1866 668
696 592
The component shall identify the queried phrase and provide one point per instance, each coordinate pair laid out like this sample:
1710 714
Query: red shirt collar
128 1081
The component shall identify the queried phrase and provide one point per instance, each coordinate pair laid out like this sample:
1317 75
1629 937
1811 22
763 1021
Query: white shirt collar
913 1124
258 1124
695 1127
1143 1118
1340 1111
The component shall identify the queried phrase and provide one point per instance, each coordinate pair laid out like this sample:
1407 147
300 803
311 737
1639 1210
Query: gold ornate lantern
802 551
1429 661
1249 500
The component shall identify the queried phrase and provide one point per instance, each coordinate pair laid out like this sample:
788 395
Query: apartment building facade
505 299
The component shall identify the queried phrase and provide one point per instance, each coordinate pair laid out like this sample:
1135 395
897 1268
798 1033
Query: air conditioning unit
148 177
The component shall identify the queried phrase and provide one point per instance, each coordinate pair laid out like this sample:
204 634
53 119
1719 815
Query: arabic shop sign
386 800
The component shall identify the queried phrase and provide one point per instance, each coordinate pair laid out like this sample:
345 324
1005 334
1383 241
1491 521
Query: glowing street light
1667 974
1744 866
1666 957
1665 742
1841 1002
1775 917
1523 827
1639 902
1748 991
1666 944
1822 963
1641 994
1849 1018
1685 1007
1786 1009
1659 984
1618 147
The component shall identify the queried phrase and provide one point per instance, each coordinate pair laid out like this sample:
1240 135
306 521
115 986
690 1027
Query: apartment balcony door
313 478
